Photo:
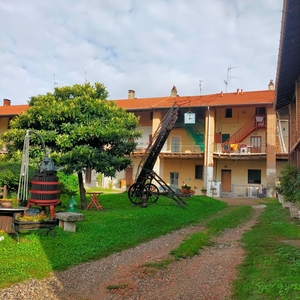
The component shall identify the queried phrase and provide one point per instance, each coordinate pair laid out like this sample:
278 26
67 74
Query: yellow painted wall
3 124
239 170
145 118
240 116
186 170
279 166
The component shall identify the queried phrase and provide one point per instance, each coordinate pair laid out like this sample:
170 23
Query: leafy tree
81 128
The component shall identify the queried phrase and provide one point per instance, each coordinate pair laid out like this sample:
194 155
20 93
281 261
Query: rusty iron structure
148 184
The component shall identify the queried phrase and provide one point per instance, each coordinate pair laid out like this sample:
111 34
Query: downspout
207 152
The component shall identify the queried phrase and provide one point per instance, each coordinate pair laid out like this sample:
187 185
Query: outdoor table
7 215
94 200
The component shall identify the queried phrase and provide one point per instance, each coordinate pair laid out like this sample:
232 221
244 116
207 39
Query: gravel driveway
205 276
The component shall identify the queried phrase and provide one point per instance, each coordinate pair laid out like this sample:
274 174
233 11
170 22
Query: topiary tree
81 127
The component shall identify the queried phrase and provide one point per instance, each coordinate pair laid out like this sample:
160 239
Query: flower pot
286 204
294 209
185 191
6 204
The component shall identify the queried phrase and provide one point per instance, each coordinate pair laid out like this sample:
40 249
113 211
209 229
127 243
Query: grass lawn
120 226
270 269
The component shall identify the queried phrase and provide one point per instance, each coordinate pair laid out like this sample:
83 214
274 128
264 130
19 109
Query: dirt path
206 276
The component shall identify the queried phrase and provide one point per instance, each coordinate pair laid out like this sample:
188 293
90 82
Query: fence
246 191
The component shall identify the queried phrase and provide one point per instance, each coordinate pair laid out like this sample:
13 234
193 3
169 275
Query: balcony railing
241 148
175 148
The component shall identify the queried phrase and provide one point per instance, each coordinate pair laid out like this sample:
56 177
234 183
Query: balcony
188 150
239 151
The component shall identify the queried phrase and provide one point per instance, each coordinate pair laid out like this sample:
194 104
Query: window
228 113
254 176
175 144
174 179
198 171
260 111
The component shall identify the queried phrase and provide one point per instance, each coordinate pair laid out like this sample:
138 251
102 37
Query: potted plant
31 222
6 203
203 190
185 189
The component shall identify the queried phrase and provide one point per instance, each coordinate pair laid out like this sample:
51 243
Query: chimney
6 102
131 94
174 91
221 93
242 91
271 85
238 91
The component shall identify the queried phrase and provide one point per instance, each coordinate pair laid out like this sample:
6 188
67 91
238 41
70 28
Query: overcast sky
144 45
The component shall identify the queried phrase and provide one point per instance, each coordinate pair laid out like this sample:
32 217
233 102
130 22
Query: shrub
290 183
68 184
10 175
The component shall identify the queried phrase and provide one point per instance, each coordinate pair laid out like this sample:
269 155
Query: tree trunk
82 191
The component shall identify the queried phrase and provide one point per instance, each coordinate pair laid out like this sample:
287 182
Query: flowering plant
185 186
33 218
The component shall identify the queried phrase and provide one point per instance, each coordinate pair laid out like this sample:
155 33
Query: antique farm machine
44 184
148 185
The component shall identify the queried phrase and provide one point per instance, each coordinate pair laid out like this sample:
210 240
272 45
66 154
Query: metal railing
241 148
246 191
175 148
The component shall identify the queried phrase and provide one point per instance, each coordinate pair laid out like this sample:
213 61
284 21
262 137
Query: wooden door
256 144
129 175
226 180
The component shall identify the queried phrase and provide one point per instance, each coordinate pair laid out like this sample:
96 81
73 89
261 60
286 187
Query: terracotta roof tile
225 99
221 99
13 110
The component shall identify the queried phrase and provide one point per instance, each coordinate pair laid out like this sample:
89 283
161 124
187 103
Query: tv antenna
228 76
200 85
54 82
85 76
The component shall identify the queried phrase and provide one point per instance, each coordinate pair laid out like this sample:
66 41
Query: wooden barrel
44 187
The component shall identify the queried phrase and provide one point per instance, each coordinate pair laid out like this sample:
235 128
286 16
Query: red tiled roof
13 110
221 99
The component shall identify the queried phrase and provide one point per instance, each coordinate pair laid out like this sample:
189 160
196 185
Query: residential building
287 95
7 112
235 145
231 142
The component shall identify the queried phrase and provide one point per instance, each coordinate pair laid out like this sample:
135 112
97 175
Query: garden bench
67 220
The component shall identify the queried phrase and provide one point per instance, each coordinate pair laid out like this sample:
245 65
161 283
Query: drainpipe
207 153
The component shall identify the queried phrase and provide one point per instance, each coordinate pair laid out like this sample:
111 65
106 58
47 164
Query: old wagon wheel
138 194
153 192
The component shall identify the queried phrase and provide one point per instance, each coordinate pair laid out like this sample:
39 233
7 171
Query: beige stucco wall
186 170
239 170
145 118
3 124
240 116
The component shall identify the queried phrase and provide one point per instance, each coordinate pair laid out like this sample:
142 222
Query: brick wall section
271 138
209 141
271 150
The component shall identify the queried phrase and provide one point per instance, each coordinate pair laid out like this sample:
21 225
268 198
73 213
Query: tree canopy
81 128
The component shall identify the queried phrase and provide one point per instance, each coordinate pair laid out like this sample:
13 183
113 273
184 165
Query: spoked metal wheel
153 192
138 194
